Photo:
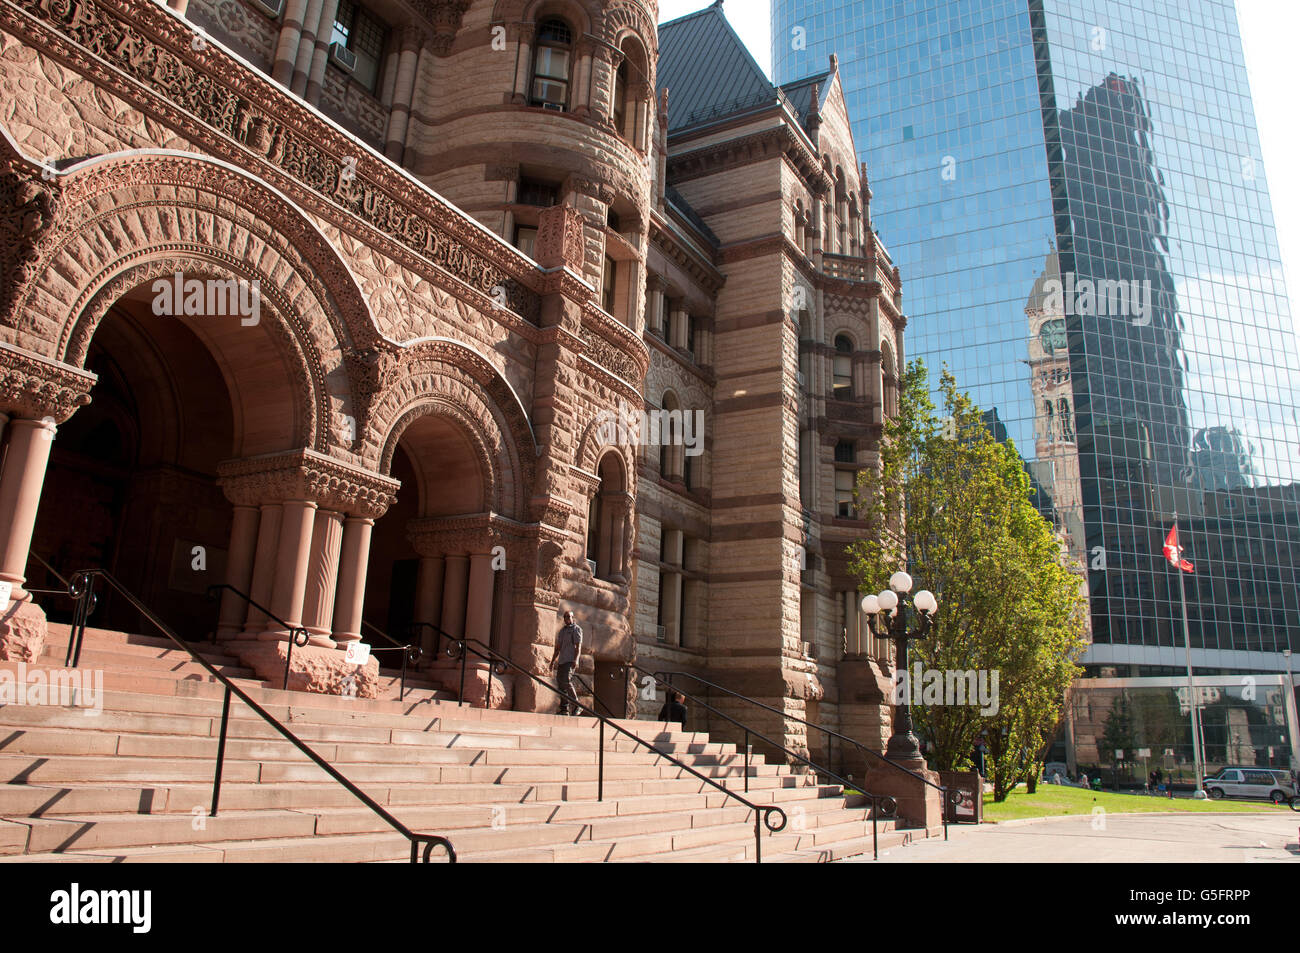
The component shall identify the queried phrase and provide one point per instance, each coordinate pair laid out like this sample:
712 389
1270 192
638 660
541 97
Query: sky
1268 32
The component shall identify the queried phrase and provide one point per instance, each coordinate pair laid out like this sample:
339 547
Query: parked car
1256 783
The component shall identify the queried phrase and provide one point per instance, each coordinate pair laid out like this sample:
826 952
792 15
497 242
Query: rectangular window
607 285
844 483
365 36
845 451
535 192
526 239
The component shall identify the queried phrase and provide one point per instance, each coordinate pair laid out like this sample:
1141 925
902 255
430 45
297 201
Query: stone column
428 597
523 65
180 6
292 561
306 49
680 322
21 479
320 57
478 609
455 589
403 94
318 609
580 97
286 49
656 286
264 559
620 511
239 570
351 594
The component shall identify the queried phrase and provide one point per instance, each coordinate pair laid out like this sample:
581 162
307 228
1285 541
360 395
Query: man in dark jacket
674 709
568 649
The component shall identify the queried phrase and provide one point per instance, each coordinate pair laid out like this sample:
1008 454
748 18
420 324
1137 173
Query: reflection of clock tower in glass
1055 466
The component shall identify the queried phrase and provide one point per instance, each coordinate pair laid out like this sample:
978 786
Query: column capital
307 475
450 536
35 386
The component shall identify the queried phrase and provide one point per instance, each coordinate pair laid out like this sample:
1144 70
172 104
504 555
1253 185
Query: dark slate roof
799 92
707 69
678 202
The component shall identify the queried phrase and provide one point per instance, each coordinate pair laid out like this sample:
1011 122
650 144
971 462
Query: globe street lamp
888 611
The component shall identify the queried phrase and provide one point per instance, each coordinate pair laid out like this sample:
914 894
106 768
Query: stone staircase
133 782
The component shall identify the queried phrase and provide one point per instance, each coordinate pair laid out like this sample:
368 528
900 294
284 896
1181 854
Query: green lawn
1053 800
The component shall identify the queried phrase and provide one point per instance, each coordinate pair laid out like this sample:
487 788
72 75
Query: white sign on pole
357 653
1144 752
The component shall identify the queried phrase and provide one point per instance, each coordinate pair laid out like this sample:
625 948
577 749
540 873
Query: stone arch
446 378
594 443
580 16
622 19
130 218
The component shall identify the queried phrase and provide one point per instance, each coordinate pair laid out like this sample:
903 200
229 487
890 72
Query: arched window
669 433
607 521
888 380
551 60
622 108
843 368
1067 425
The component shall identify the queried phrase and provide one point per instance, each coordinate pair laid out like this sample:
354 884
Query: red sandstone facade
410 430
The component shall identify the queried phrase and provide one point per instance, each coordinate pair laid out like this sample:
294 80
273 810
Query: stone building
335 302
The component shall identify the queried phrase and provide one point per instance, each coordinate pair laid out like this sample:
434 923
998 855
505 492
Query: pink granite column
524 65
21 479
306 50
478 608
403 94
286 49
262 583
320 57
318 609
428 597
292 561
455 588
180 6
351 594
239 571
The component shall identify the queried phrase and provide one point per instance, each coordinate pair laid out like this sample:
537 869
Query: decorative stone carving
207 84
37 387
560 241
307 475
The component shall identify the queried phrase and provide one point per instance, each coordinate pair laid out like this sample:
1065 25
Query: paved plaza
1122 838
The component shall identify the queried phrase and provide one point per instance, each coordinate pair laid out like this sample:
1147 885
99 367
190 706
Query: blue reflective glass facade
1074 192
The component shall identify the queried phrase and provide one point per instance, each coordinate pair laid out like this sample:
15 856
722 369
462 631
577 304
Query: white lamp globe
925 601
870 604
900 582
887 600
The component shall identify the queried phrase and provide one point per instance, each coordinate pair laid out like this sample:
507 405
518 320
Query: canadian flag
1174 552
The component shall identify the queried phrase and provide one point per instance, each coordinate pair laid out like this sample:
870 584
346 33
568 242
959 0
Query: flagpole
1187 652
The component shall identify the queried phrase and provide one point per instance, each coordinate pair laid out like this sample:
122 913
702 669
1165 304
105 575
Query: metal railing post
221 753
464 658
875 835
401 692
746 760
758 838
600 771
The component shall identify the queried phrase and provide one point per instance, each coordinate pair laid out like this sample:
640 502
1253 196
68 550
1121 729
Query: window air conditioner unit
558 107
809 650
661 633
799 377
272 8
343 57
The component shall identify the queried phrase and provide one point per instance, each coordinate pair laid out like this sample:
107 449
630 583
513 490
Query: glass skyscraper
1074 192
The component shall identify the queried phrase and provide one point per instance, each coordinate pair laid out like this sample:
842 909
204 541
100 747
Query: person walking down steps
568 648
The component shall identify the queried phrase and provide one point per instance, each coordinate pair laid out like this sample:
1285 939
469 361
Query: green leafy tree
953 505
1119 734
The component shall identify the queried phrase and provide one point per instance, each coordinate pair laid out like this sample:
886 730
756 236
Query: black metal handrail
763 814
295 632
592 692
943 791
880 803
82 606
84 580
409 652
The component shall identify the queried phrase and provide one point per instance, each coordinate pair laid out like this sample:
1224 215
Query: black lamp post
903 743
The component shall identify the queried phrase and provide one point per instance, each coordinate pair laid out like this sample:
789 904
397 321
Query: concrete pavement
1114 838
